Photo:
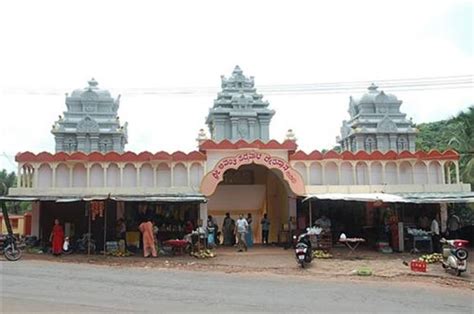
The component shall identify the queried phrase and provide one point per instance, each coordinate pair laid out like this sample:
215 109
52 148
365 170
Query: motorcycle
455 255
10 247
83 245
303 249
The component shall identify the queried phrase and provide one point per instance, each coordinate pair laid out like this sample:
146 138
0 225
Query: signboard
216 175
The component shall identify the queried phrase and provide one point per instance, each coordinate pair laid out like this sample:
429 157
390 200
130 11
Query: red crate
418 266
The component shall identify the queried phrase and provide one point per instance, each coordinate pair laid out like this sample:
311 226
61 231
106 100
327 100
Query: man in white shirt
242 228
435 234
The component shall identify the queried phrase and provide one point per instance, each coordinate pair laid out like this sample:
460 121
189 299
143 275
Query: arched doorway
257 183
253 189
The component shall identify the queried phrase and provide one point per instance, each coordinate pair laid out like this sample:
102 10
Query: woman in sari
57 238
146 228
249 234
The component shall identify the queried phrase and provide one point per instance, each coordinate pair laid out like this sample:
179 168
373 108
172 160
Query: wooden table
352 243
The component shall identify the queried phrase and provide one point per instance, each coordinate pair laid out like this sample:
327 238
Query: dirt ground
278 261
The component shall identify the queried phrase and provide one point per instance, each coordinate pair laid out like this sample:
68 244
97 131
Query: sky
49 48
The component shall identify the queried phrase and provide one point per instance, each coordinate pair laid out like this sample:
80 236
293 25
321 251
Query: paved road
35 286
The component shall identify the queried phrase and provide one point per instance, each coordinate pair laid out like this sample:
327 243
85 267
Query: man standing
265 222
435 234
242 226
228 228
454 223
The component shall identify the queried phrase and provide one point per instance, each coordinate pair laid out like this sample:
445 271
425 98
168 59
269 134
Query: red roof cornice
109 157
376 155
257 144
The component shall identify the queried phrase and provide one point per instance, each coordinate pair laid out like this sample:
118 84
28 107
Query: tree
7 180
456 133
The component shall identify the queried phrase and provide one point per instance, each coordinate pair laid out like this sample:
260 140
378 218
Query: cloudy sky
166 60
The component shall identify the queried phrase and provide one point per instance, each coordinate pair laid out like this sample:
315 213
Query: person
188 228
211 231
435 235
454 223
228 227
323 222
121 229
249 234
146 228
265 222
242 228
57 238
424 222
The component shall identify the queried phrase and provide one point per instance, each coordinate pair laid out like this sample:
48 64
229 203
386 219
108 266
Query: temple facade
90 123
239 112
376 123
239 170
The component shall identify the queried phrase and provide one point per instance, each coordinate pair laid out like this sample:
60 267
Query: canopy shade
418 198
177 198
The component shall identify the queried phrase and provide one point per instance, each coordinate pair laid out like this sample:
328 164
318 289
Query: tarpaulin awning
167 199
360 197
174 198
417 198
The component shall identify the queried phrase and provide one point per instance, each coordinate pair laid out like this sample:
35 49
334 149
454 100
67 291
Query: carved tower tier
376 123
90 122
239 112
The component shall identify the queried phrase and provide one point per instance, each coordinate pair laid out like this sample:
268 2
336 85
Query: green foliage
456 133
8 180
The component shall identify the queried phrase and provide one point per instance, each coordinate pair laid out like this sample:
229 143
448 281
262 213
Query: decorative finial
202 136
237 70
92 82
290 135
373 87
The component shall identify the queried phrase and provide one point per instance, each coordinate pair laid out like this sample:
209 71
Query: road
35 286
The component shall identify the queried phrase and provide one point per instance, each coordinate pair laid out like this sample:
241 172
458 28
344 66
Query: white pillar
323 172
457 172
449 173
383 173
138 167
412 173
36 176
19 182
369 172
105 167
172 175
443 174
188 169
88 175
155 168
398 172
70 175
354 174
427 165
121 175
53 168
307 175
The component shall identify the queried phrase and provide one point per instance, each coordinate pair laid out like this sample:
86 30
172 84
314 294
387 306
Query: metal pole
88 207
106 206
310 214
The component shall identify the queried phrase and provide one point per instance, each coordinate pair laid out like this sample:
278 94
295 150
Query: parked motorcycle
455 255
10 247
303 250
81 246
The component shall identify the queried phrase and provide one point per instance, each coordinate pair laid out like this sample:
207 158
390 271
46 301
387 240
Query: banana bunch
120 254
431 258
203 254
321 254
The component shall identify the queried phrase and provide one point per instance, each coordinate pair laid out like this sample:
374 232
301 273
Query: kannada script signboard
212 179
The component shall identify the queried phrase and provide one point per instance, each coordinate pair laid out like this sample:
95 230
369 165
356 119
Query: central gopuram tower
239 111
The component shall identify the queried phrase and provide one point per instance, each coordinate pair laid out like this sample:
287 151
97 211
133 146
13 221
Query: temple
239 111
376 123
239 170
90 123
